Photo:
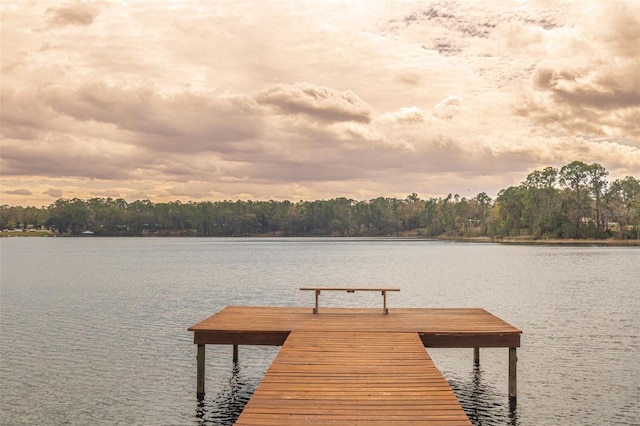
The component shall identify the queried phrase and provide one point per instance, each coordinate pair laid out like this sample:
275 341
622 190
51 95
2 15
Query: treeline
576 201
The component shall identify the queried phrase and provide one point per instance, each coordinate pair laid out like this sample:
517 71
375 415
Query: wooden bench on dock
318 290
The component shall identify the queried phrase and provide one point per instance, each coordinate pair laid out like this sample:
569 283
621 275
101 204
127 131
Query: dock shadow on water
225 406
482 403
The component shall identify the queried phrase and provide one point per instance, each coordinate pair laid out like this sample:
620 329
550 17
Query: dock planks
354 378
355 365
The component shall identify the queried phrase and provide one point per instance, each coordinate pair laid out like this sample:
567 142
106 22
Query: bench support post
318 290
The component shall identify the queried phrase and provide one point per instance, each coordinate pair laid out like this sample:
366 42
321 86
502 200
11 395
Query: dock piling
235 354
200 374
513 361
476 356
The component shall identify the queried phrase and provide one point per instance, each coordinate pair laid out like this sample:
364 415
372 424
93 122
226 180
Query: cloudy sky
304 100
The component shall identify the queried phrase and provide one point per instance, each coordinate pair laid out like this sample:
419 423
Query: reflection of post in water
201 410
482 403
513 412
234 384
228 402
478 394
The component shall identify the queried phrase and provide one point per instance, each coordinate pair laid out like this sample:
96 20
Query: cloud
53 192
404 115
195 190
23 114
599 100
609 86
106 193
447 108
615 25
591 94
184 122
81 14
19 192
64 155
317 102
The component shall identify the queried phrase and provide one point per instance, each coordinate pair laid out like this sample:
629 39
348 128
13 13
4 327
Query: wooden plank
353 377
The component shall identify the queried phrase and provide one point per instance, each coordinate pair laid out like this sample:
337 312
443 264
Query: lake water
94 330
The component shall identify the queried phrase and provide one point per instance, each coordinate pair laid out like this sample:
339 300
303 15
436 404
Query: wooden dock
354 365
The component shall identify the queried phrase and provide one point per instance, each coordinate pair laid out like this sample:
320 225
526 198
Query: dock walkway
354 365
353 377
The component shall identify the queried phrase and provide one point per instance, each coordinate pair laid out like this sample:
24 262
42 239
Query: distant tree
484 203
510 209
575 176
432 217
10 216
622 205
69 216
141 216
108 216
541 202
597 176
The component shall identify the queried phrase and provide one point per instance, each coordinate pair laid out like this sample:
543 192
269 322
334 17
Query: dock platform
354 365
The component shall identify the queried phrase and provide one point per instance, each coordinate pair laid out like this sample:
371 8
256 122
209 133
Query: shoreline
484 240
554 241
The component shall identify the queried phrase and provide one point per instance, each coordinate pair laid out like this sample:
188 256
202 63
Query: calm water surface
94 330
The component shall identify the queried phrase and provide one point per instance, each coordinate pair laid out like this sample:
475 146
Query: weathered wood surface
353 377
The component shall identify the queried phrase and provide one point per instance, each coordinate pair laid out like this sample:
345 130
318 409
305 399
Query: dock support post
385 311
235 354
513 361
476 356
200 374
315 309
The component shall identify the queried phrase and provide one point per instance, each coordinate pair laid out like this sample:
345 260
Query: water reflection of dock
354 365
